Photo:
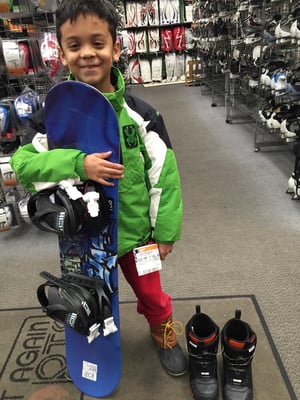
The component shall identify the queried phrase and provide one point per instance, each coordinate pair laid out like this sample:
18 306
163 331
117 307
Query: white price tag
89 371
147 259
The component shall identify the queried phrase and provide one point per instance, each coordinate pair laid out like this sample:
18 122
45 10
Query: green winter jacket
150 202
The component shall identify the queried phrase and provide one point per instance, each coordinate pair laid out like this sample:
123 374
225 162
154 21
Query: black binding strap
75 300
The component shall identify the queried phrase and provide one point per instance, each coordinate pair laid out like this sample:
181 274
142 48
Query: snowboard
78 116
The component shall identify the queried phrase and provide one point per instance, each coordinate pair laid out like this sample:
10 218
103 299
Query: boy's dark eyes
76 46
73 46
99 44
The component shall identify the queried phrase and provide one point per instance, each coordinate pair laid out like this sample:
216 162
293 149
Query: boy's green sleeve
50 166
170 208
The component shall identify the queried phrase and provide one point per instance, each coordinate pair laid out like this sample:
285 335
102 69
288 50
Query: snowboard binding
68 210
79 302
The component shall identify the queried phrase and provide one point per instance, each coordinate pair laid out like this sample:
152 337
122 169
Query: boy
150 205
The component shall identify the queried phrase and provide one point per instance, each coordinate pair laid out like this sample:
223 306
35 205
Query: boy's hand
164 250
99 169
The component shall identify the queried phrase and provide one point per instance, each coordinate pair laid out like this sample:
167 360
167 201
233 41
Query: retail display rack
158 39
29 65
249 52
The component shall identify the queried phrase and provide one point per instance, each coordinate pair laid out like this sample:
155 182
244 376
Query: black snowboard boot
239 342
202 336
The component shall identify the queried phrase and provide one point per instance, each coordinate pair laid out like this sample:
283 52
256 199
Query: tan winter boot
169 350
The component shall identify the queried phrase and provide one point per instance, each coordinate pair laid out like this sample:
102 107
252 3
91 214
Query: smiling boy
150 202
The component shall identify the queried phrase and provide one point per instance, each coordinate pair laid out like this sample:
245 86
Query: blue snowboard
79 116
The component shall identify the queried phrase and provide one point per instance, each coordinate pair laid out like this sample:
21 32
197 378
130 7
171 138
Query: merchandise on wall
26 74
157 30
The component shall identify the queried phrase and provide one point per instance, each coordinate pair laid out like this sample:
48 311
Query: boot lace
171 329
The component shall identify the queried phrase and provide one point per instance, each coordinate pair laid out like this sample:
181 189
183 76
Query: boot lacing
171 329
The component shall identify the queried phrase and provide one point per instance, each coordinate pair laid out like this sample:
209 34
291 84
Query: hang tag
147 259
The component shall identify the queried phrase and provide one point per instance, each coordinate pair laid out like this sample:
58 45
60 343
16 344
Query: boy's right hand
99 169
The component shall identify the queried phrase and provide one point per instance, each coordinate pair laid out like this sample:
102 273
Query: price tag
89 371
147 259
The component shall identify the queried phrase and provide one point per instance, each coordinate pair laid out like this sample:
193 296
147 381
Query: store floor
240 230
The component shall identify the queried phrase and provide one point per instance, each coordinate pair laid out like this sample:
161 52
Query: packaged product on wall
35 53
141 41
180 66
176 13
170 61
153 40
142 15
21 57
169 12
179 37
166 36
34 59
156 67
145 70
162 12
24 56
9 123
153 12
8 176
188 13
26 104
6 217
128 42
50 55
131 37
4 119
15 57
131 11
134 70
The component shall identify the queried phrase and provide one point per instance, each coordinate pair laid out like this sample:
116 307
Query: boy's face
87 49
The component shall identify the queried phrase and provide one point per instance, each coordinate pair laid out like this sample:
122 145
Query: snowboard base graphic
78 116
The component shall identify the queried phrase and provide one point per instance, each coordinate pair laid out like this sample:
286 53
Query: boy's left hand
164 250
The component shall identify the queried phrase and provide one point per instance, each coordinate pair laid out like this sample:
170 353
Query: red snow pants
152 302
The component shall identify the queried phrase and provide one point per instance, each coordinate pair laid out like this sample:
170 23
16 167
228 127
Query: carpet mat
33 363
